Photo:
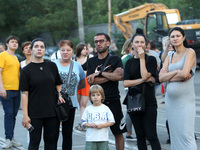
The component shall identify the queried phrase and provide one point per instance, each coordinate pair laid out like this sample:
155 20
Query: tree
29 19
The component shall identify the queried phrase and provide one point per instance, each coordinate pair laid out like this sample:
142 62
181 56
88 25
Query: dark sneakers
168 141
130 138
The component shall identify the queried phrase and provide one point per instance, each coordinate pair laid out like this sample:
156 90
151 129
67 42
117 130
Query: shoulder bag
62 109
136 102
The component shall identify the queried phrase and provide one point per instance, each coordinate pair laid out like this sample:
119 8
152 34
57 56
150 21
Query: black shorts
120 125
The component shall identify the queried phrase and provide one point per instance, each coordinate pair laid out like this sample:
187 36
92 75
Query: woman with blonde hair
126 50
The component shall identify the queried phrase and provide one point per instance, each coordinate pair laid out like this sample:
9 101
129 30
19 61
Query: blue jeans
10 106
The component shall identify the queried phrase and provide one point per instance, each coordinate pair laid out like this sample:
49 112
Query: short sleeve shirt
111 87
40 80
132 72
98 115
10 71
77 75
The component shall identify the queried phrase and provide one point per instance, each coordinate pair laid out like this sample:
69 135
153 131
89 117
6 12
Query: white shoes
15 143
7 144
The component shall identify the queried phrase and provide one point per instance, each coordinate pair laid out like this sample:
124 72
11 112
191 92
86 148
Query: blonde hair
126 46
94 89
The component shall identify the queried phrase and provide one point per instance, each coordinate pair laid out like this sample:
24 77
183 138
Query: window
172 18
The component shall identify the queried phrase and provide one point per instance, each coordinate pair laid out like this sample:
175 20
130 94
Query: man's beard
103 50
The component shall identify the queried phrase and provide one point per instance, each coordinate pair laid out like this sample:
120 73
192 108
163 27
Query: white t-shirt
53 56
97 114
23 63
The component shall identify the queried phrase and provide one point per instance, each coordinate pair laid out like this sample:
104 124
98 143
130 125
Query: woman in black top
140 71
39 82
82 56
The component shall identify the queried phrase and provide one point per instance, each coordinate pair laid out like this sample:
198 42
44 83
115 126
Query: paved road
79 136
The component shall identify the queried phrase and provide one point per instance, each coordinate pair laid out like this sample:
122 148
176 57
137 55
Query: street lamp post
80 21
109 18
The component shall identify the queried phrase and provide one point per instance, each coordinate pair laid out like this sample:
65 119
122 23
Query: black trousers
145 128
67 129
51 132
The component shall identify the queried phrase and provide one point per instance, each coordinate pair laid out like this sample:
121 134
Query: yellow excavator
158 20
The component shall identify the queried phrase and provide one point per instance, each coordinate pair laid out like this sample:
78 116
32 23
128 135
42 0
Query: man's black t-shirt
40 80
111 87
132 72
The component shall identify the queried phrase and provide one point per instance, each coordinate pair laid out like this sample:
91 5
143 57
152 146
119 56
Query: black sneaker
130 138
168 141
195 136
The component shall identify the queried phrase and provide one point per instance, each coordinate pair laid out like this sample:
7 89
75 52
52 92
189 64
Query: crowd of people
95 76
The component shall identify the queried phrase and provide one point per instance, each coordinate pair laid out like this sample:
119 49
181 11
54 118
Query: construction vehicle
158 20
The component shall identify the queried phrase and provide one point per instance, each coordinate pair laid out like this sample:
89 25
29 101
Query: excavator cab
158 24
156 27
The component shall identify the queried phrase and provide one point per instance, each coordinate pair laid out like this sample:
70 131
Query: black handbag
136 102
62 109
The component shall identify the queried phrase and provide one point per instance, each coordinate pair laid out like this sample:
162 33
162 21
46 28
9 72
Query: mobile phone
192 73
31 128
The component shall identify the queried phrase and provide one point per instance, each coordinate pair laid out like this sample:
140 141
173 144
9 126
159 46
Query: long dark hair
182 32
79 49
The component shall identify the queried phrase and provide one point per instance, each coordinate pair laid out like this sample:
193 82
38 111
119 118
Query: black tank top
84 66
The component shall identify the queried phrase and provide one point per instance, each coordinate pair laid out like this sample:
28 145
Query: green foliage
119 41
89 37
30 18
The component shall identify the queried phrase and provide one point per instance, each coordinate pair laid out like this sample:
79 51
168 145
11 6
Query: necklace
41 68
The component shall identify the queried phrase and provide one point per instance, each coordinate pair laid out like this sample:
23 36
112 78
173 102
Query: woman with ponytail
140 71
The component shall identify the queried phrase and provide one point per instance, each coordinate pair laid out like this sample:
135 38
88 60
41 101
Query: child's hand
93 125
100 126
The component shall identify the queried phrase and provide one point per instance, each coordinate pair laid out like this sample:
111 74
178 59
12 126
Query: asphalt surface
79 136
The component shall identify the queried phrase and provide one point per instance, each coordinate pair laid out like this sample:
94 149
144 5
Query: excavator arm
122 20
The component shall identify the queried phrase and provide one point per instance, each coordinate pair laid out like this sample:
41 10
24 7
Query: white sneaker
15 143
7 144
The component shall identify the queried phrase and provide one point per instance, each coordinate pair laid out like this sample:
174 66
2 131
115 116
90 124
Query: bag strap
143 88
106 62
69 75
56 55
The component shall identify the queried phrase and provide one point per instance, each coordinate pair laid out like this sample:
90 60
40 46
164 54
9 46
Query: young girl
97 118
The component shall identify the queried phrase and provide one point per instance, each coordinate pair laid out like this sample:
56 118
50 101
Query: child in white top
97 118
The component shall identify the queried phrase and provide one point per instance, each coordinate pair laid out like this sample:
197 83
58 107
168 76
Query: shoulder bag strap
143 88
106 62
56 55
69 75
